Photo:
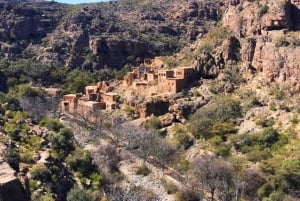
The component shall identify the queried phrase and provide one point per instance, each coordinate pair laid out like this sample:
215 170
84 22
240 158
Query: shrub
269 137
62 142
40 172
143 170
182 138
258 155
272 106
27 157
153 122
225 109
223 151
52 124
281 42
34 185
77 80
76 194
263 10
12 157
265 122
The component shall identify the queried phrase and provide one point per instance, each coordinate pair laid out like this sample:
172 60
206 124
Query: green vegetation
77 194
51 178
226 110
153 122
263 10
214 37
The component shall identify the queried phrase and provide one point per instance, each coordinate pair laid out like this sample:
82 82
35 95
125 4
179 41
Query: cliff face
261 37
105 34
269 37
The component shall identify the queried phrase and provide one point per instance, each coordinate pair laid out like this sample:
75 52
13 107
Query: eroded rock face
207 66
278 63
250 18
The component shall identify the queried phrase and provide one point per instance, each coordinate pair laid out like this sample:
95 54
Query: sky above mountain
79 1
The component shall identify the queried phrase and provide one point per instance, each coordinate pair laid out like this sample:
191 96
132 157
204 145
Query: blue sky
79 1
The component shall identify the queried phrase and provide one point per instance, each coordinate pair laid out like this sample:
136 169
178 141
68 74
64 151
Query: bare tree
106 157
213 175
40 107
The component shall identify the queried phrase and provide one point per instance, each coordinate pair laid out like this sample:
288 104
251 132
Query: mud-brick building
173 81
69 103
97 97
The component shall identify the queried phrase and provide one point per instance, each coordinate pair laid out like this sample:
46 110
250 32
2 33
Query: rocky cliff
261 37
269 38
105 34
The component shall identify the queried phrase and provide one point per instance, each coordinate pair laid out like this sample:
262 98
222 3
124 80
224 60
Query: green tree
12 157
77 80
269 137
62 142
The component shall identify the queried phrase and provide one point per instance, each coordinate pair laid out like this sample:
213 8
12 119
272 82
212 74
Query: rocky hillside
105 34
260 37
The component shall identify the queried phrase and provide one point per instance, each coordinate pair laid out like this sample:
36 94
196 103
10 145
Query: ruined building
96 98
167 81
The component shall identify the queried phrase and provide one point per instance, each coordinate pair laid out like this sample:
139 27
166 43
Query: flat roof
110 94
70 95
174 78
91 103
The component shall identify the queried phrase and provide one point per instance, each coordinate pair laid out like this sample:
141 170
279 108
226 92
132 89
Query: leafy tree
13 104
40 172
77 80
12 157
62 142
269 137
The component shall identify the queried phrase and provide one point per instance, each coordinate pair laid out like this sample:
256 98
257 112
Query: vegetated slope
106 34
252 59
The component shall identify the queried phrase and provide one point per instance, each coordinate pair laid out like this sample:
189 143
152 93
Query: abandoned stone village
150 82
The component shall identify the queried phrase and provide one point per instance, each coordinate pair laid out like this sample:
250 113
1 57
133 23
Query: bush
263 10
40 172
12 157
265 122
223 151
257 155
269 137
143 170
62 142
182 138
52 124
76 194
224 109
34 185
153 122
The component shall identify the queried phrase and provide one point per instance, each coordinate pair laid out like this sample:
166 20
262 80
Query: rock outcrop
11 188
